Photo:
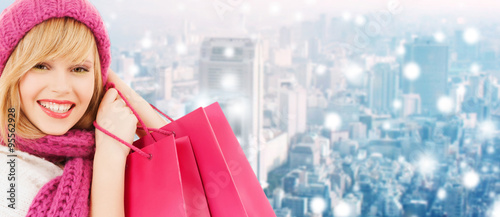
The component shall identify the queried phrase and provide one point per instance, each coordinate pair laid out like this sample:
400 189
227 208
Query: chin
55 132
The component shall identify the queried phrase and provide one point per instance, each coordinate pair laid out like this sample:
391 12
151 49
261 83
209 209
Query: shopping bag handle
142 125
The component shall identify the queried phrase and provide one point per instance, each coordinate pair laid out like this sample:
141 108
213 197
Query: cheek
85 89
29 86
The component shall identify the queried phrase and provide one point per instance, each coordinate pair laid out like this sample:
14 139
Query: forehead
62 39
78 56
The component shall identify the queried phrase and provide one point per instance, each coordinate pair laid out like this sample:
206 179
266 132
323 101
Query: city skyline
343 113
129 21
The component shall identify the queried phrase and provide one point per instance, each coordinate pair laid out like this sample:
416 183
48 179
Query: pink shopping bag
167 184
156 182
153 186
230 185
194 194
249 189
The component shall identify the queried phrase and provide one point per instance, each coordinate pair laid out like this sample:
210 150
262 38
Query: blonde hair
51 39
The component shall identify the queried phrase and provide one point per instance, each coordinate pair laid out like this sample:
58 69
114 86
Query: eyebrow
78 63
88 61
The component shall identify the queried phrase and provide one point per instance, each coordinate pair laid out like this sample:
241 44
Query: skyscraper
412 104
231 73
432 59
298 205
126 68
305 155
455 202
278 195
415 207
285 37
293 110
382 87
357 130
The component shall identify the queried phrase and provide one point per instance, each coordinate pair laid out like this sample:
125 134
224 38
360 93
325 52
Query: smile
56 108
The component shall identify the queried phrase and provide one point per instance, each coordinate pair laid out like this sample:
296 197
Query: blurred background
343 108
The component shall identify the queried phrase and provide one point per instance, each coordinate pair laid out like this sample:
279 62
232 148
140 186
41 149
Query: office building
231 72
432 60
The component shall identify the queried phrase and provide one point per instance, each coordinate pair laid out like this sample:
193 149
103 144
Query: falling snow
321 69
400 50
439 37
146 43
360 20
470 179
346 16
318 205
411 71
181 7
181 49
427 164
475 68
461 90
484 169
495 209
237 109
386 126
441 194
245 8
354 73
229 52
229 81
487 129
397 104
463 165
299 16
333 121
342 210
471 36
445 104
134 69
274 9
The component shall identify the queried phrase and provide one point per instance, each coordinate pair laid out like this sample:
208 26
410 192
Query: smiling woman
60 70
54 59
58 89
52 69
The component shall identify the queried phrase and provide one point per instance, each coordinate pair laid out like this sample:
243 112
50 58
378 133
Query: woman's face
56 93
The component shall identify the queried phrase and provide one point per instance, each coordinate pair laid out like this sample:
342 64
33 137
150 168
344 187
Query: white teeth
58 108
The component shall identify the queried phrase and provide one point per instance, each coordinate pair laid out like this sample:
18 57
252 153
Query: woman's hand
127 91
108 177
148 115
114 116
107 193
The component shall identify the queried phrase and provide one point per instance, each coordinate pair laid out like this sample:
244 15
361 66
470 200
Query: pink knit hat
20 17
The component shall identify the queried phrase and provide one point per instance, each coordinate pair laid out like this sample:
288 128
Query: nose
60 82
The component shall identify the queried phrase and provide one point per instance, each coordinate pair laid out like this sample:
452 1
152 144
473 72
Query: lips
56 108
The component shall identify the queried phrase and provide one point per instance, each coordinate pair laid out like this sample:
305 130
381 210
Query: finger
120 102
134 118
124 113
109 96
